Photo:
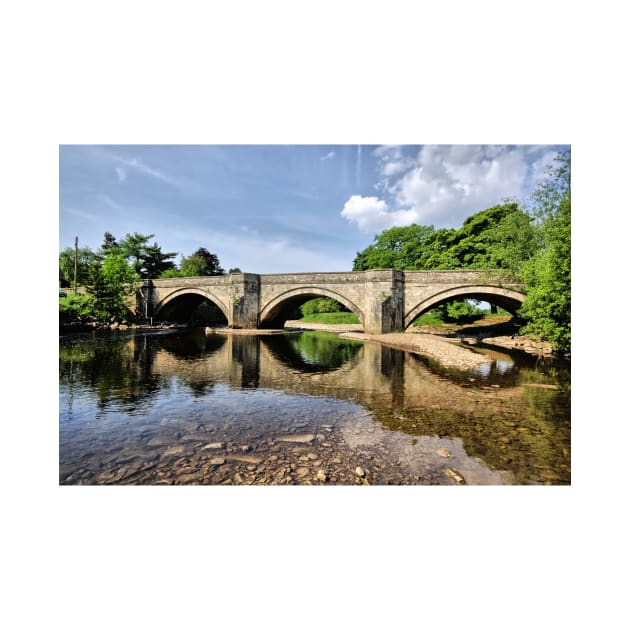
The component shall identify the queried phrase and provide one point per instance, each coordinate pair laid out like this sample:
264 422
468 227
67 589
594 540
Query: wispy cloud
82 215
125 166
328 156
139 166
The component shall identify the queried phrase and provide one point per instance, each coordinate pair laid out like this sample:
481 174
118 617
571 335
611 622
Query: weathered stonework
384 300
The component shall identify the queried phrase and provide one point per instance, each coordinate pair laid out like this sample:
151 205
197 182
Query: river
303 408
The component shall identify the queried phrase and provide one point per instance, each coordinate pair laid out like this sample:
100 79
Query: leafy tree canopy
85 259
110 284
500 237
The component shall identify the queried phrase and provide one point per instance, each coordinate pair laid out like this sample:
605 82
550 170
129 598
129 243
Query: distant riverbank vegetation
529 243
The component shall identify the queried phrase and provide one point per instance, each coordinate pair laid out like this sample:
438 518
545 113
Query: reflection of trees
117 369
313 351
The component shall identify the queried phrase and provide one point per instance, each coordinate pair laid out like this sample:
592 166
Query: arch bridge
384 300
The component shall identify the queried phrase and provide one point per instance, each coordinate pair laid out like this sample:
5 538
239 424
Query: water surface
309 408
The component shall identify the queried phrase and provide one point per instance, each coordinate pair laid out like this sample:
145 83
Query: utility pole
76 256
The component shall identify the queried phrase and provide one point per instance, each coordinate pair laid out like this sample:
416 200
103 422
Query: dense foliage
501 237
548 273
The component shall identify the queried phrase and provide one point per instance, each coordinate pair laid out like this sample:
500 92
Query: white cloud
442 185
328 156
122 173
373 215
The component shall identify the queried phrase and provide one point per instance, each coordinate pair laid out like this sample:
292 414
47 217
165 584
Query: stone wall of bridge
384 300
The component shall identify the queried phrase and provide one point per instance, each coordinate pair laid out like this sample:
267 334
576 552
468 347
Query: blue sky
283 208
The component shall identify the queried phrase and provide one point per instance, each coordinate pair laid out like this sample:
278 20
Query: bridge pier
244 291
384 301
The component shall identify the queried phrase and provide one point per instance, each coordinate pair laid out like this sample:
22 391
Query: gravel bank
449 354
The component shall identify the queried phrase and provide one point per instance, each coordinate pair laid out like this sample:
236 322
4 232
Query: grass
331 318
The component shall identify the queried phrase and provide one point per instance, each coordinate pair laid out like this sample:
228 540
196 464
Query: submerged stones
305 438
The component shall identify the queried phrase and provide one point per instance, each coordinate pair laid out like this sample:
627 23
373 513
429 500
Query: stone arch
162 306
508 299
271 315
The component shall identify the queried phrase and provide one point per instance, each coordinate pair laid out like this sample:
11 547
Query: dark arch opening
288 308
192 309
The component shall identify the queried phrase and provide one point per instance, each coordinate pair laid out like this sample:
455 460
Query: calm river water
303 408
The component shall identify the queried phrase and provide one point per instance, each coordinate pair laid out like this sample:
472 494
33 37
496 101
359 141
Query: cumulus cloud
373 215
444 184
328 156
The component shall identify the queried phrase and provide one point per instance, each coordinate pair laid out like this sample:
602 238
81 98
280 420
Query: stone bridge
384 300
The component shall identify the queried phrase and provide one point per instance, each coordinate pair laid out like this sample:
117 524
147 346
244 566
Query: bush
322 305
77 308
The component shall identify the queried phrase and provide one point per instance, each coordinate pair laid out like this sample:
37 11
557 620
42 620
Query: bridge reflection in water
490 415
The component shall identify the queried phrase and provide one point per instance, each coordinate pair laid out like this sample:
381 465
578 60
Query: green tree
396 248
213 267
200 263
85 259
193 266
154 262
110 284
547 308
109 243
500 237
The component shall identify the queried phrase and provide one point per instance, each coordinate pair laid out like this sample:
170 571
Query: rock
442 452
248 459
302 471
217 461
160 441
246 448
321 476
174 450
540 385
305 438
213 446
455 476
312 456
359 471
189 478
189 438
